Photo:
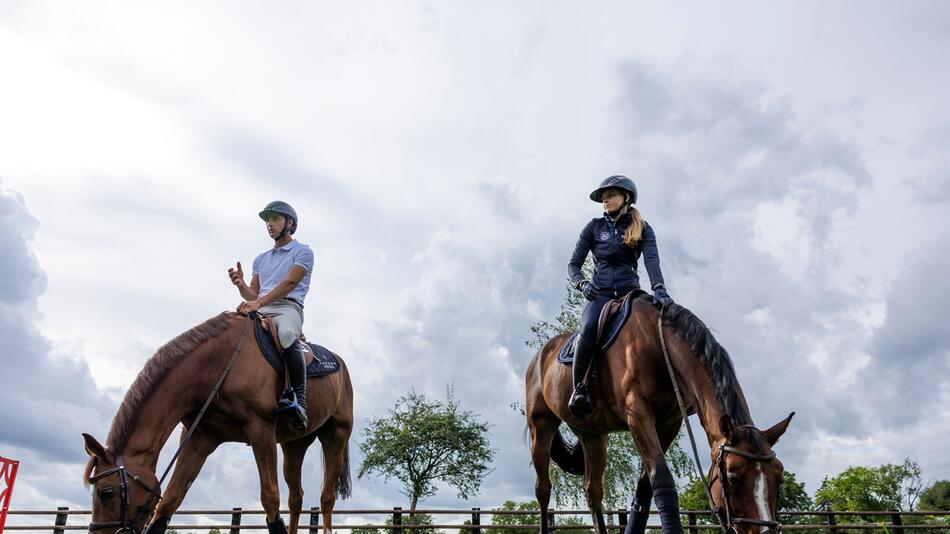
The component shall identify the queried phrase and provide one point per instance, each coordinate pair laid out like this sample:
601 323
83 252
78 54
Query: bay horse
633 393
171 389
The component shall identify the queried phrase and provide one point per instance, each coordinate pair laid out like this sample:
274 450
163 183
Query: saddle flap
320 361
609 324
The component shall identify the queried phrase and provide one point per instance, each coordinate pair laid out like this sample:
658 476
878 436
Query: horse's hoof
277 527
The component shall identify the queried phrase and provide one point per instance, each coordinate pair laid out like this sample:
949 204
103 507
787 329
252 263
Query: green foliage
792 496
365 530
531 522
572 520
887 487
415 519
423 441
936 497
568 319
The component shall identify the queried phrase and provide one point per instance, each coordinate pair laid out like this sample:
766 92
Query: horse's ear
772 434
95 449
726 428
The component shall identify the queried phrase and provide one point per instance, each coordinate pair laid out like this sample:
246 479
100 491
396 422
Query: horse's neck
700 386
180 393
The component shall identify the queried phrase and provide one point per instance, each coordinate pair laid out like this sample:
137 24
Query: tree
531 521
936 497
363 530
423 441
623 460
883 488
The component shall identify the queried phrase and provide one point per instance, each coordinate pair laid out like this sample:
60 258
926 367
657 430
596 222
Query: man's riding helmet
616 182
280 207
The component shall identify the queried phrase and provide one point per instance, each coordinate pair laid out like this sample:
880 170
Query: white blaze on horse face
760 496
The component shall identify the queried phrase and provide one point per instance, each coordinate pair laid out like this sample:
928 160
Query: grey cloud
910 352
46 400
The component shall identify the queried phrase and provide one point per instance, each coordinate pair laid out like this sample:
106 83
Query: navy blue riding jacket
615 263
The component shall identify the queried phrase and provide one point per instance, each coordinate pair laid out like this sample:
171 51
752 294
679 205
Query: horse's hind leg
542 427
186 470
334 436
595 462
294 452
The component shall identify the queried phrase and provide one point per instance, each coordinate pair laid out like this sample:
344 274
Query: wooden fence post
61 519
236 520
622 518
831 523
476 520
397 519
898 522
551 518
691 523
314 519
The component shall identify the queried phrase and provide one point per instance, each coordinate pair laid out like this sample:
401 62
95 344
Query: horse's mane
166 358
714 358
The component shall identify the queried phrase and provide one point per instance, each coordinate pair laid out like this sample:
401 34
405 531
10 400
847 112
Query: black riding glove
660 296
587 289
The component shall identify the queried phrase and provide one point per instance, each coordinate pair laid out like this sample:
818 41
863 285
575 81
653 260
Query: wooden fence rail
893 522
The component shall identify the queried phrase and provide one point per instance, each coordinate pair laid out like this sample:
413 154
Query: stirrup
289 407
581 403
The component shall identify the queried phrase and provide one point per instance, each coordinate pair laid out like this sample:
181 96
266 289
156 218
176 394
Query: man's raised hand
237 276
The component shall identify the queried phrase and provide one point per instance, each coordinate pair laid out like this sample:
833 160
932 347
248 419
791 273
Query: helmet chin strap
284 231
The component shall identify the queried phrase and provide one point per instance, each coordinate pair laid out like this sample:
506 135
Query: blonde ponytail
635 230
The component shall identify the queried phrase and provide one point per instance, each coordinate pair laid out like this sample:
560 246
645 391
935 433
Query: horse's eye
106 492
733 479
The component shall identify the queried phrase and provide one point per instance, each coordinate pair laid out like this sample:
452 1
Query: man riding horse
280 280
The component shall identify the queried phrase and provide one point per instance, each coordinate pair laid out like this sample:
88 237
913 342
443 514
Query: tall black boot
581 403
294 401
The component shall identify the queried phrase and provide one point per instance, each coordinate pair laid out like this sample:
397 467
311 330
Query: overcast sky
792 158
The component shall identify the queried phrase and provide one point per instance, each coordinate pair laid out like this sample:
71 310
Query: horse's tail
570 458
344 484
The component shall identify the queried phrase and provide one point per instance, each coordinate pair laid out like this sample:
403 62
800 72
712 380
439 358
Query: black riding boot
294 401
581 403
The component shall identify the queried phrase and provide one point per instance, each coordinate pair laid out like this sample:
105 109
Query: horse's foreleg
595 461
334 437
186 470
294 452
264 445
642 424
542 429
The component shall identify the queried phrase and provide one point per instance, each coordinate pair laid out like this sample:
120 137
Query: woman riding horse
617 240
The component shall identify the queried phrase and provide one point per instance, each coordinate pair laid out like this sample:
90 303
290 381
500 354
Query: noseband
124 523
725 511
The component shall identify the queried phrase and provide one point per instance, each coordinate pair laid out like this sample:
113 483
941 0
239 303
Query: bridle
724 513
124 523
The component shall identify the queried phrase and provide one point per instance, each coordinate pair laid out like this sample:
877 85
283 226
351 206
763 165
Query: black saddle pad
611 330
324 362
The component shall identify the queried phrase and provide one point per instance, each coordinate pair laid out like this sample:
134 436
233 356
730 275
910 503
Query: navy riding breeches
590 316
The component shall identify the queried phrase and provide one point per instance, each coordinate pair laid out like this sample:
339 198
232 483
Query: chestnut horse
171 389
633 393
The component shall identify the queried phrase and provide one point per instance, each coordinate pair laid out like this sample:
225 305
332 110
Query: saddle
612 318
319 360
